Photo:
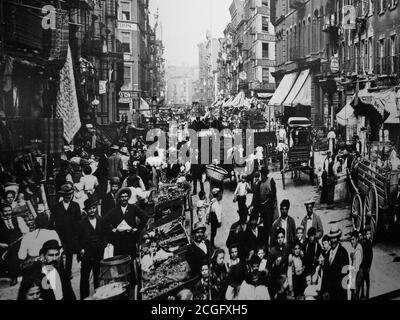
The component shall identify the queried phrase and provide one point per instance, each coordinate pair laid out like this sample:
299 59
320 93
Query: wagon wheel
371 209
357 212
352 184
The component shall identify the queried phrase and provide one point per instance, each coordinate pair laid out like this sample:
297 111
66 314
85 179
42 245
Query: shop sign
102 87
128 94
127 26
335 64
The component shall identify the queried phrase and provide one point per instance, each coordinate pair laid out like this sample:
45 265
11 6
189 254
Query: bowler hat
335 232
90 202
199 226
66 189
50 245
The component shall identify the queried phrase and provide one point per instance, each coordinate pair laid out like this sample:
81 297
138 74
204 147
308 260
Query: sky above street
185 24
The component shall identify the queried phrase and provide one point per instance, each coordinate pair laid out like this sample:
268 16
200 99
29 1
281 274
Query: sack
108 251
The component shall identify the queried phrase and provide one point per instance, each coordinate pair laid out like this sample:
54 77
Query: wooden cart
300 157
373 189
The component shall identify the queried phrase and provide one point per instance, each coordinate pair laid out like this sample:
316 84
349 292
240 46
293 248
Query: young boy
367 261
296 271
261 253
240 194
300 236
202 206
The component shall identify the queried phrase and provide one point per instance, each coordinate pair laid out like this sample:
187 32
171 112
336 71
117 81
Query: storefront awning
264 95
296 90
283 89
375 105
346 116
304 96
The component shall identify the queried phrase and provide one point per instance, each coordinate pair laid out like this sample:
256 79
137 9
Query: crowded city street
249 152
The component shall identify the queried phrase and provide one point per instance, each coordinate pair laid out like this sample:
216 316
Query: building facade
133 33
180 85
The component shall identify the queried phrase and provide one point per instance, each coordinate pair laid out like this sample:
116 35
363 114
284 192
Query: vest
9 236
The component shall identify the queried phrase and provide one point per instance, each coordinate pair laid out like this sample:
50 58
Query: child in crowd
283 288
202 206
261 253
296 271
240 194
219 274
155 255
325 245
300 236
201 289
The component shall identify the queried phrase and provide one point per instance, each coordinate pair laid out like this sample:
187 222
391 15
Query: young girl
202 206
296 271
219 274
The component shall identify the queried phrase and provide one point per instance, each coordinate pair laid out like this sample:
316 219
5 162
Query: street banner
102 86
67 103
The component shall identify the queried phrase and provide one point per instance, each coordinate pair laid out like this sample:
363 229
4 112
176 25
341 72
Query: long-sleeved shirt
242 189
216 207
357 257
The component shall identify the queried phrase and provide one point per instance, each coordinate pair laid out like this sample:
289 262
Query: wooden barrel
115 269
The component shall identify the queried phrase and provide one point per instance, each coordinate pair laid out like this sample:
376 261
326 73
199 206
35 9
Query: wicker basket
216 173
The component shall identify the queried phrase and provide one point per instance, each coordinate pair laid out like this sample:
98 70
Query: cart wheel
357 212
352 184
371 210
283 180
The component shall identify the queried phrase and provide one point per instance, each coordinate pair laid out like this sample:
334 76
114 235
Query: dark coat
334 275
93 241
114 167
125 243
237 238
108 204
251 242
311 254
47 293
195 256
317 224
290 230
66 223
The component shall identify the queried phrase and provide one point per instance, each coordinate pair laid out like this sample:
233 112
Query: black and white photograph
217 151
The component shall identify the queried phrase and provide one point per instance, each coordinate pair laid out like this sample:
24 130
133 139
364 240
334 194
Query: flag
67 103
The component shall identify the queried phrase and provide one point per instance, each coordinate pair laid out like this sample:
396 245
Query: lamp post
95 103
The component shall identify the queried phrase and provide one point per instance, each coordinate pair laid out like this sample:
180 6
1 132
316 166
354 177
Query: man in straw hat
199 249
65 219
334 283
312 220
91 245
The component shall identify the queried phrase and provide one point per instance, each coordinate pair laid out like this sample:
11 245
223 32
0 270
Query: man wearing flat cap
333 282
55 284
285 222
199 249
64 219
91 245
110 200
124 224
312 220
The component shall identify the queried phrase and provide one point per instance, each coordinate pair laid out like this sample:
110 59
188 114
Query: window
392 53
370 63
126 40
265 50
127 77
125 14
265 24
265 75
265 3
381 55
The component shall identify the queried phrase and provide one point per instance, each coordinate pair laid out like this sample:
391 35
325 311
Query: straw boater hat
309 202
215 191
114 147
198 226
335 232
66 189
124 190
